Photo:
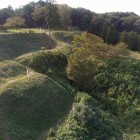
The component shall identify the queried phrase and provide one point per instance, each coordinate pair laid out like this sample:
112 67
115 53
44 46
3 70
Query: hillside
68 92
69 73
30 104
18 42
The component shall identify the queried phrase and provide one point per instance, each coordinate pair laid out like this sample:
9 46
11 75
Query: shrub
87 121
44 61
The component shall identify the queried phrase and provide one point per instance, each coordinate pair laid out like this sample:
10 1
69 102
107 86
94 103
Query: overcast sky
98 6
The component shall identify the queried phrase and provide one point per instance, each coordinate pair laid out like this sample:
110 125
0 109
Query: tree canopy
49 14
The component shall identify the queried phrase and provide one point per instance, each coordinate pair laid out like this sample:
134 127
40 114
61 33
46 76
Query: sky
98 6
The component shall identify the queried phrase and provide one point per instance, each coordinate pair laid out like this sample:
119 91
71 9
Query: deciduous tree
52 15
14 22
65 15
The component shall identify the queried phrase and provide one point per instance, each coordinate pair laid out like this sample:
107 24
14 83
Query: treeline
112 27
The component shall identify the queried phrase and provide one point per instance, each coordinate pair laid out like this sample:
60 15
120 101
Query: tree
112 36
82 65
86 40
87 57
65 15
124 37
52 15
95 26
5 13
14 22
26 13
81 69
132 39
39 16
128 22
40 4
81 18
104 29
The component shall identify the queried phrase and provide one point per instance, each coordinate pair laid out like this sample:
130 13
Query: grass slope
11 69
30 105
15 44
25 58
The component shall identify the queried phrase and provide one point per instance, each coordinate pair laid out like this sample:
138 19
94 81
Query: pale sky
98 6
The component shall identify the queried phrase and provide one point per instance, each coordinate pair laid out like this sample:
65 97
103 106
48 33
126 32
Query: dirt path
29 74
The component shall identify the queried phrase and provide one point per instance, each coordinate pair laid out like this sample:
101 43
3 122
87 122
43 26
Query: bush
87 121
88 57
44 61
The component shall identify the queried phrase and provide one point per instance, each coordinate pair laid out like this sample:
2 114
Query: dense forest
69 73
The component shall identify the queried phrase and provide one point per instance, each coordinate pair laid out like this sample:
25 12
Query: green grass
64 36
10 69
13 45
23 30
31 105
25 58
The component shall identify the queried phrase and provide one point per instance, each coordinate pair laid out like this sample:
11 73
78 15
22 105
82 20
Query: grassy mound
9 69
16 44
25 58
30 105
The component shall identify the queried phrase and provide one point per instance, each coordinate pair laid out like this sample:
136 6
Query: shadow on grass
32 105
66 37
14 45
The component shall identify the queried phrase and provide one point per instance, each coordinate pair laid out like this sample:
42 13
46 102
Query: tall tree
27 11
112 36
52 15
81 18
124 37
39 16
39 4
132 39
65 15
88 55
5 13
